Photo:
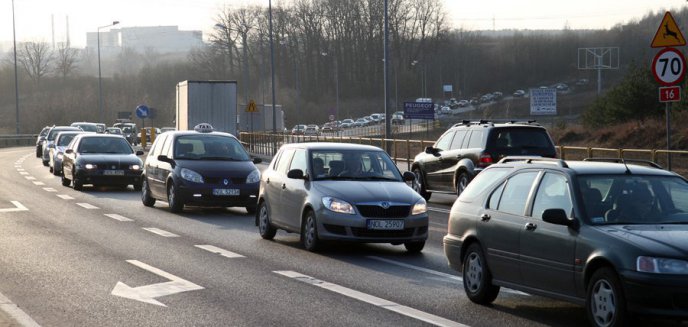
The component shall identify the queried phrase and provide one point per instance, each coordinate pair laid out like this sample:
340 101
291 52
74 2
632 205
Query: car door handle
531 226
485 217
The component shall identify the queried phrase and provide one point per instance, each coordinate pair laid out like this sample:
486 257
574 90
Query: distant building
161 39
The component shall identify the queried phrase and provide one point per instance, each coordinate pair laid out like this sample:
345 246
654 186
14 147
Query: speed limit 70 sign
669 66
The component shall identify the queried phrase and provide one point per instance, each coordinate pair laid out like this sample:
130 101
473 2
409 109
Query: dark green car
611 236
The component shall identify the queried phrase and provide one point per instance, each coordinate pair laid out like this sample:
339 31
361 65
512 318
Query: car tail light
485 160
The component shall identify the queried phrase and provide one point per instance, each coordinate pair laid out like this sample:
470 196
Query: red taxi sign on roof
668 34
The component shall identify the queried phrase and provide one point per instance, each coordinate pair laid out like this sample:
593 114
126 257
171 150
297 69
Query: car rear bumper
452 250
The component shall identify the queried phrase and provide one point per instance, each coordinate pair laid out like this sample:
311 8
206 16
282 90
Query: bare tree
66 59
35 58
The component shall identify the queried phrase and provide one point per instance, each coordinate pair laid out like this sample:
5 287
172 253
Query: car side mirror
296 174
257 160
164 158
139 153
409 176
558 217
69 151
429 150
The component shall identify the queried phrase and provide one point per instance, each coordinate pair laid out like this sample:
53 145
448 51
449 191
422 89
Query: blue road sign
419 110
142 111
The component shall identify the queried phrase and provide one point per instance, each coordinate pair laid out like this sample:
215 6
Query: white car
446 110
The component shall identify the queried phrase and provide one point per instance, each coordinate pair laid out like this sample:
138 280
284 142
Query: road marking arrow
18 207
148 293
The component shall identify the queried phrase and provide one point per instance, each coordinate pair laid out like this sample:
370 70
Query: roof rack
527 122
531 159
625 160
478 122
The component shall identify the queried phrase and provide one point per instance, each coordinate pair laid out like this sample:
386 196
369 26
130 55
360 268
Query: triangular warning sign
668 34
251 106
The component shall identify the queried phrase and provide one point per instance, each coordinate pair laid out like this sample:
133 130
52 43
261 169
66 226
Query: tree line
321 48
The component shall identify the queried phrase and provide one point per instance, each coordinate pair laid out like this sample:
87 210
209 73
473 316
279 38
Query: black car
612 236
101 159
468 147
201 168
39 141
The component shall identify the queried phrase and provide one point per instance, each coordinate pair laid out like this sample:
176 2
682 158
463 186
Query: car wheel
50 169
56 172
45 163
419 185
309 232
605 303
414 247
461 182
38 152
76 183
65 180
477 279
146 197
264 227
176 205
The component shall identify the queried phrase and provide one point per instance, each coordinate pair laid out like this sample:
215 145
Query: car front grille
364 232
375 211
219 180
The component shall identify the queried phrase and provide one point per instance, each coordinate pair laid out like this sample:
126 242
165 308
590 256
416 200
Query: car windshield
368 165
105 145
634 199
209 147
65 139
53 132
87 127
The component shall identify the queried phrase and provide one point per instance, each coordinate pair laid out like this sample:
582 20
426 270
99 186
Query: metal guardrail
7 141
404 150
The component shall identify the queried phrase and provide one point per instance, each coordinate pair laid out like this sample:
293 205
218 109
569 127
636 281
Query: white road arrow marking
18 207
148 293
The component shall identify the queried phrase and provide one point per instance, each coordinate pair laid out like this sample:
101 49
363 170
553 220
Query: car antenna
628 171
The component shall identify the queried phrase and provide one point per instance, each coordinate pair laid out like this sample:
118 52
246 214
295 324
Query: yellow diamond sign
668 34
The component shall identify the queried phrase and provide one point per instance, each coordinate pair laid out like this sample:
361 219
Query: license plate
386 224
113 172
226 191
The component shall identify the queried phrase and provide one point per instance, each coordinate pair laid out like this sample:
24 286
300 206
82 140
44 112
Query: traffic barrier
7 141
404 150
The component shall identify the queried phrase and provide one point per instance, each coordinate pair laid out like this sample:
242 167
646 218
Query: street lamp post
16 79
423 85
336 85
100 78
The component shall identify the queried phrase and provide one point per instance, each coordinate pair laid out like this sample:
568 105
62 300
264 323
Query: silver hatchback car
340 192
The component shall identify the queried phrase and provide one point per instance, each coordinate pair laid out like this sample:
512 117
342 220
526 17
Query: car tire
38 152
175 203
477 279
56 172
414 247
461 182
76 183
146 197
605 303
264 226
45 163
419 185
309 232
50 169
65 180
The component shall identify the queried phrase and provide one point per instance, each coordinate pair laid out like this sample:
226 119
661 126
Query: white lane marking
31 178
148 293
87 206
376 301
222 252
38 183
435 229
160 232
442 210
23 173
17 207
425 270
438 224
434 272
117 217
17 314
49 189
65 197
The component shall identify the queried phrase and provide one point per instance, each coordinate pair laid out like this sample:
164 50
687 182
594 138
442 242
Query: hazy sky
33 17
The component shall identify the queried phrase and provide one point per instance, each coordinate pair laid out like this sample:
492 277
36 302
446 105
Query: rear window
482 182
520 138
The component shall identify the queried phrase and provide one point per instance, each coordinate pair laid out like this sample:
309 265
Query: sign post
668 68
251 107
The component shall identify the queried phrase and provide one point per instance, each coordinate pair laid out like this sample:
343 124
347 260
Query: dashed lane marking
374 300
49 189
87 206
38 183
65 197
160 232
117 217
222 252
31 178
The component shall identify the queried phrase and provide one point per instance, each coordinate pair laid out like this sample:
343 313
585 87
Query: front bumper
345 227
202 195
655 294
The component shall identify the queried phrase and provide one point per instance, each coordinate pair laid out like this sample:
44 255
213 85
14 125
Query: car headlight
191 176
420 207
90 166
338 205
253 177
662 265
135 167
